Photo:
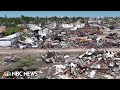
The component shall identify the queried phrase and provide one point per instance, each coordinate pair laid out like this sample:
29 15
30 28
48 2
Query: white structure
51 25
44 32
34 27
9 40
54 24
94 21
67 26
74 28
95 25
80 25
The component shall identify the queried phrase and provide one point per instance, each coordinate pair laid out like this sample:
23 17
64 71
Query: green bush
10 31
25 63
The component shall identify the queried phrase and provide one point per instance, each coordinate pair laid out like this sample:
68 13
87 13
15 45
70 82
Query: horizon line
58 16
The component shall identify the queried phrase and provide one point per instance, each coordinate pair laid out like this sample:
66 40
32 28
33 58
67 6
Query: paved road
22 51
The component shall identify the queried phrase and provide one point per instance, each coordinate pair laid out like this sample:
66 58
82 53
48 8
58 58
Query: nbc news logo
20 73
7 73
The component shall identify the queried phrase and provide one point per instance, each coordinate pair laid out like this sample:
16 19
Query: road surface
22 51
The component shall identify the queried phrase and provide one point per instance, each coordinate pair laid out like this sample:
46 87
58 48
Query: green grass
28 61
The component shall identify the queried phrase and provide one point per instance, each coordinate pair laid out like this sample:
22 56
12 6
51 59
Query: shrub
10 31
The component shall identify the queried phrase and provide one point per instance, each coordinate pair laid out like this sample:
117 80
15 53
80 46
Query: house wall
67 25
9 40
5 43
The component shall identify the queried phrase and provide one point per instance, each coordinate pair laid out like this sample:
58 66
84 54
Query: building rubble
63 39
112 35
51 57
93 64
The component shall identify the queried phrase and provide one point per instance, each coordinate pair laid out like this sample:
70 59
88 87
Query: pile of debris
112 36
87 42
28 42
93 64
51 57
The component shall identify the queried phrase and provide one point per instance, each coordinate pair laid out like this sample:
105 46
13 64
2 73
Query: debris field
92 64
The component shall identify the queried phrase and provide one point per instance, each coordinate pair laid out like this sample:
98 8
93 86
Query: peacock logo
7 73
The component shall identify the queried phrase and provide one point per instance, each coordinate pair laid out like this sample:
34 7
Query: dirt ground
33 54
43 51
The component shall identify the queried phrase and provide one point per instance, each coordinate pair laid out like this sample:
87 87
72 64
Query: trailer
10 40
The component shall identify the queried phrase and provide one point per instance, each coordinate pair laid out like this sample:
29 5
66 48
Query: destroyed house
10 40
89 30
45 32
72 32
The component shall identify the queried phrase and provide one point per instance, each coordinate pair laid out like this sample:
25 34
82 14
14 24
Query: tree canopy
12 22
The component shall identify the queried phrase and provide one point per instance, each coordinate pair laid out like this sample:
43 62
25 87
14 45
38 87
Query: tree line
13 21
